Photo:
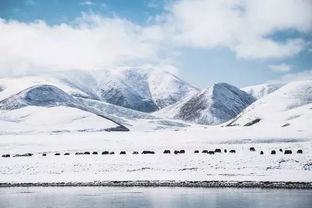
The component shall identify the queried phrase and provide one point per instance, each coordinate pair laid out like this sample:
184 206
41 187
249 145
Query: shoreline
185 184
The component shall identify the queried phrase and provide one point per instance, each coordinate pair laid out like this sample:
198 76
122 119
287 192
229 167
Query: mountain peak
211 106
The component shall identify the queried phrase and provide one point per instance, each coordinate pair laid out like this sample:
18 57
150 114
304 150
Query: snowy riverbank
191 184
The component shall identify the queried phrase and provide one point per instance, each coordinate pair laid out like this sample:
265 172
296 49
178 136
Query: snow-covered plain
243 165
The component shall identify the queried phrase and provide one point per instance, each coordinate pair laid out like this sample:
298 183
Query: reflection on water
100 197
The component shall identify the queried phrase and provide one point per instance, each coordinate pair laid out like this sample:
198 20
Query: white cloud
95 42
280 67
244 26
92 42
87 3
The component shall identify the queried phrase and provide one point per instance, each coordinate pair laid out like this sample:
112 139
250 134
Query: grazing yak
196 151
218 150
252 149
205 151
179 151
167 152
112 153
57 154
135 152
105 152
94 153
232 151
148 152
79 153
288 152
23 155
86 153
122 152
66 153
6 155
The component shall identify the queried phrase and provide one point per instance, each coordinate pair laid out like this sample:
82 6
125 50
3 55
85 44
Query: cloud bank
94 42
244 26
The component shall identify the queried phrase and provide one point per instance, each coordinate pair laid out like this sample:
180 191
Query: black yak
148 152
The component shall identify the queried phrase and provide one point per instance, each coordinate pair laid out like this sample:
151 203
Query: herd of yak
252 149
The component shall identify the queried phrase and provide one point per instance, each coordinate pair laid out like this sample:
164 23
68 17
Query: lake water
101 197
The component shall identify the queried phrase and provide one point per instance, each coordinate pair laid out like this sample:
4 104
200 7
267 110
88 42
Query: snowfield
243 165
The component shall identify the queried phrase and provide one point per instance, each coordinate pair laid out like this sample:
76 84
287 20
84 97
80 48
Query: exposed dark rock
257 120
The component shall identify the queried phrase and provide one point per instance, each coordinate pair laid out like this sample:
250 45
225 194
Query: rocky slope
214 105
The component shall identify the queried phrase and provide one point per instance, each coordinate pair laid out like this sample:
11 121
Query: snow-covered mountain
85 91
214 105
142 89
288 106
143 98
261 90
167 89
41 99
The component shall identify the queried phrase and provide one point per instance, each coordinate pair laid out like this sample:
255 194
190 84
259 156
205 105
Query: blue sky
194 36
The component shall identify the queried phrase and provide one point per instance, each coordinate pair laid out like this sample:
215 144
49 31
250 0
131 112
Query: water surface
118 197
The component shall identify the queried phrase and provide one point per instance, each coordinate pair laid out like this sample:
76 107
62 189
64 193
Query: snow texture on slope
142 89
167 89
40 95
287 105
48 96
214 105
37 119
